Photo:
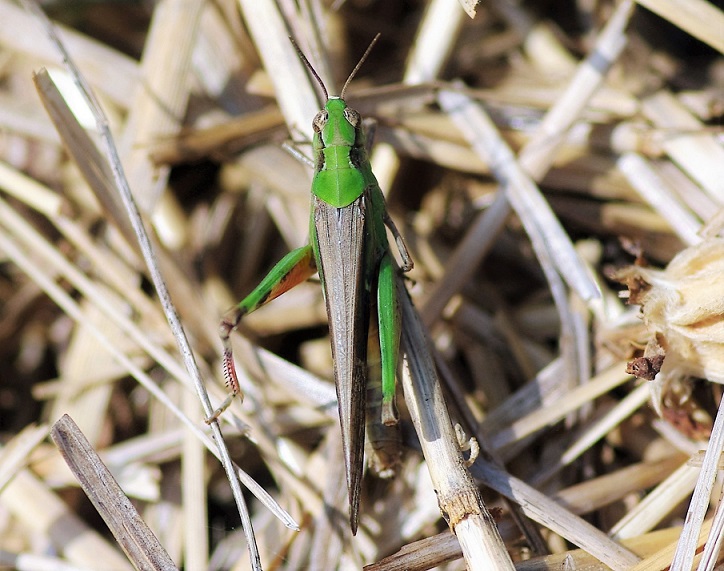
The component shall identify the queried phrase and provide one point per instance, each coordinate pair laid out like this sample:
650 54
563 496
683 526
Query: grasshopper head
337 124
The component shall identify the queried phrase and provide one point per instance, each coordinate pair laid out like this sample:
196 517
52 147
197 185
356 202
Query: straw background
544 161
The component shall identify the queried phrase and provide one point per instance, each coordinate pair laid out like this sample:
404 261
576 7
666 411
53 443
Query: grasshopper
349 250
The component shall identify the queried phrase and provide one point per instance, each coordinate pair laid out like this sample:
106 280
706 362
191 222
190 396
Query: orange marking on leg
299 273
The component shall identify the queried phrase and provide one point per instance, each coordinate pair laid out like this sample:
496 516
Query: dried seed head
683 309
683 306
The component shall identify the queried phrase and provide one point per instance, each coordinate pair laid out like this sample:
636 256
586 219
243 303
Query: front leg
294 268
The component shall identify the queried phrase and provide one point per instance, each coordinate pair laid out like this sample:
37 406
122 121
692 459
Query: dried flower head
683 309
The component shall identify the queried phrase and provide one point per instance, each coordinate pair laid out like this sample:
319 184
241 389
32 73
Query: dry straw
538 164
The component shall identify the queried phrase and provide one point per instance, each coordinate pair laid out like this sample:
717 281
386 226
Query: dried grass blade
435 40
630 404
30 191
600 384
657 504
295 94
712 549
695 151
39 508
159 105
700 18
538 154
14 454
552 515
686 549
657 192
133 535
193 491
662 559
643 545
84 151
109 71
585 497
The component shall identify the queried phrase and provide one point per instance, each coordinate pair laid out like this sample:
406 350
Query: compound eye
353 117
320 120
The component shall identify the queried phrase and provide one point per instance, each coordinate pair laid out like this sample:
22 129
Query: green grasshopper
349 249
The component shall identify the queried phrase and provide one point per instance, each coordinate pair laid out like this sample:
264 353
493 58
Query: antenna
359 64
311 69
